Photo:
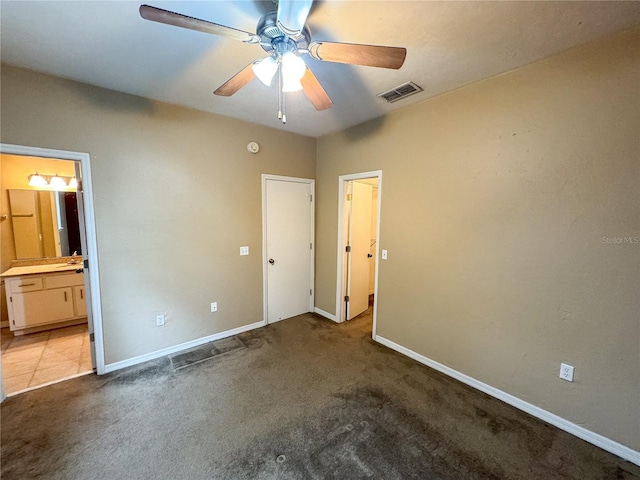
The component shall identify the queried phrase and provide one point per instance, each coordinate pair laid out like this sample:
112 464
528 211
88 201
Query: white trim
90 230
342 181
325 314
112 367
563 424
312 254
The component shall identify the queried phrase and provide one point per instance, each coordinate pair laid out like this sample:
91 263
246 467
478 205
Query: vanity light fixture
55 182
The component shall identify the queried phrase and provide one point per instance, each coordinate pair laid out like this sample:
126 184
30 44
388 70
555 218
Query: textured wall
176 194
505 206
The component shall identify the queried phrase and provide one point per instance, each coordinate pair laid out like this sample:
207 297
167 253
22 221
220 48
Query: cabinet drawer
24 284
63 280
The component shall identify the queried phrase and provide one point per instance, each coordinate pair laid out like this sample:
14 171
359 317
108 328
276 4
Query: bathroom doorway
51 328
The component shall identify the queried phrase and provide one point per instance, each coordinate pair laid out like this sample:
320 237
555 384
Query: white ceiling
449 44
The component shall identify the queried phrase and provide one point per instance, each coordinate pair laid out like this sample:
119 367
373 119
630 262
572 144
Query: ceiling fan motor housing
273 39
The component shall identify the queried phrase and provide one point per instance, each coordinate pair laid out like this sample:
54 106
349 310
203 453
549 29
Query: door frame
342 258
92 280
312 250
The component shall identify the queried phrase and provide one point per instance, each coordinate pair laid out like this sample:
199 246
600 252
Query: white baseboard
325 314
112 367
563 424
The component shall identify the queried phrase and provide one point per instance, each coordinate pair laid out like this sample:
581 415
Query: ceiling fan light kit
293 68
265 69
284 35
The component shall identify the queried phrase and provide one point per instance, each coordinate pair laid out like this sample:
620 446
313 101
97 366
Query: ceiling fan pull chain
279 92
284 107
282 114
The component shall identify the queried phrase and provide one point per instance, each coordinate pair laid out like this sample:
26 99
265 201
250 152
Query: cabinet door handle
26 285
81 294
65 296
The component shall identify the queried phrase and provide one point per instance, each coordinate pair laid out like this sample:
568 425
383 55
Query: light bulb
57 182
289 85
36 180
293 69
265 69
73 183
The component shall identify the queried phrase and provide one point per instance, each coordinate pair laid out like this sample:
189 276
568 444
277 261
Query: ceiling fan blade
357 54
236 82
176 19
292 15
314 91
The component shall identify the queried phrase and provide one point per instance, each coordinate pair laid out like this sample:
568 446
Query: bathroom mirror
45 223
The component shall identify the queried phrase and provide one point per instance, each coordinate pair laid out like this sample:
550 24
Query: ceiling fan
284 35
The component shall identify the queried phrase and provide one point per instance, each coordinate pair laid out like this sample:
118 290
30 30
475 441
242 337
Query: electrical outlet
160 318
214 307
384 254
566 372
244 250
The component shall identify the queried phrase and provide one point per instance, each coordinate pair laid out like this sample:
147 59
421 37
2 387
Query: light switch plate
244 250
384 254
214 307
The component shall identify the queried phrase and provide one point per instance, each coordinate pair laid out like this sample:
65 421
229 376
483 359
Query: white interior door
86 293
288 225
360 242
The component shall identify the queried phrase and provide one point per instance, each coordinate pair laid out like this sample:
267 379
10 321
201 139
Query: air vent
400 92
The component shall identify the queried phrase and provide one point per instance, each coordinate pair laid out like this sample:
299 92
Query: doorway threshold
53 382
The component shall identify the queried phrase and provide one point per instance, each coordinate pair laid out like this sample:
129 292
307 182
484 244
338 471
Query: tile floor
38 358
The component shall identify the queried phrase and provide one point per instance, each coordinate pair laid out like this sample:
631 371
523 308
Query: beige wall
498 203
176 194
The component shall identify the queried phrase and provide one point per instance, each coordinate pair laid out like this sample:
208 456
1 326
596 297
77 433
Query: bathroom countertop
35 269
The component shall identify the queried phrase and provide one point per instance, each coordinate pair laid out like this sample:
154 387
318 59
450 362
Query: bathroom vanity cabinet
46 298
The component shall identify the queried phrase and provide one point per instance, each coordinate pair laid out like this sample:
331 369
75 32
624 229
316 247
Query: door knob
369 255
272 261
